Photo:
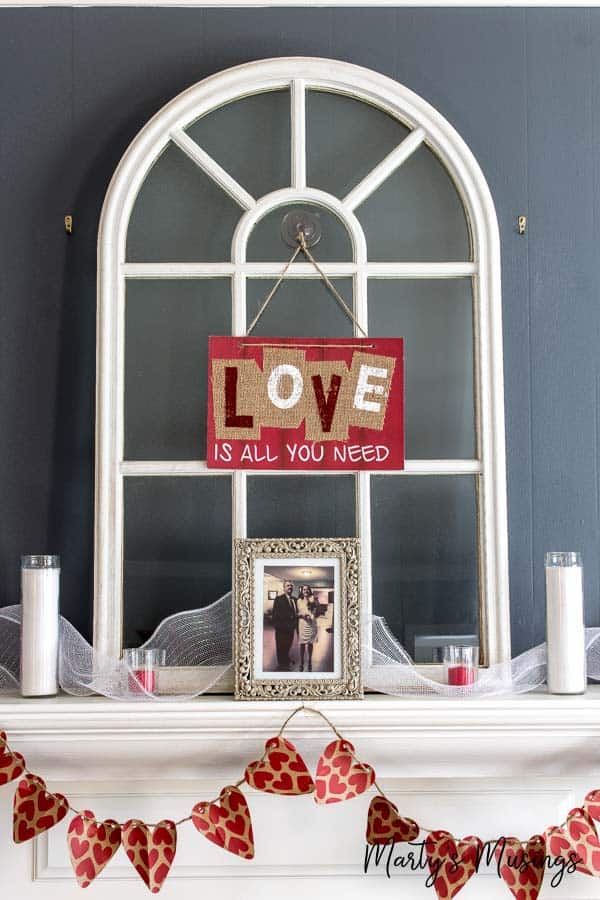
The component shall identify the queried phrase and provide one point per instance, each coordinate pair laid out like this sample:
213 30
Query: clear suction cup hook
301 220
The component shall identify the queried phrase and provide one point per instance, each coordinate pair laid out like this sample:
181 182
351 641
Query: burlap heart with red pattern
226 822
11 764
580 832
282 771
522 867
558 846
91 845
151 851
35 809
339 776
451 862
386 826
591 804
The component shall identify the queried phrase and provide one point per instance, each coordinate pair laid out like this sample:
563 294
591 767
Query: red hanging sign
305 403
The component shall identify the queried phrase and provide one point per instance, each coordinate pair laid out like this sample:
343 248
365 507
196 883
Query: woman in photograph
307 624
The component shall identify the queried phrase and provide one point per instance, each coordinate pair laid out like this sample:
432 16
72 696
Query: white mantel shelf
536 734
376 715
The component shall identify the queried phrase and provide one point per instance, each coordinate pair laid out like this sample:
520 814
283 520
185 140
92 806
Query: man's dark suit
284 619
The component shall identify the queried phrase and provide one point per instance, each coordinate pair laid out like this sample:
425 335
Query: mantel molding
537 735
375 716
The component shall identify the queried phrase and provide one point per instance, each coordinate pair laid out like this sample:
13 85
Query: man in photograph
284 620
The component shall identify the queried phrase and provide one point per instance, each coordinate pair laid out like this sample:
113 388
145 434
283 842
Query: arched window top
299 74
363 195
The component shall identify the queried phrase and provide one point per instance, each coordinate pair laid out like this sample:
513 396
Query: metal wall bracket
522 223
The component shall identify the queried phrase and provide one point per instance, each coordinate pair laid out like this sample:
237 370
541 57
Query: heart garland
12 765
581 834
91 845
226 822
591 804
385 825
451 862
340 776
522 868
559 847
281 771
151 850
35 809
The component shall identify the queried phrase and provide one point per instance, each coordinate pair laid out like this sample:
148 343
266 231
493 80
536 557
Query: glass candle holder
143 665
460 664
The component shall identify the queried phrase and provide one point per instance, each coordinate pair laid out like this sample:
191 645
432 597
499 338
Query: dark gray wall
521 86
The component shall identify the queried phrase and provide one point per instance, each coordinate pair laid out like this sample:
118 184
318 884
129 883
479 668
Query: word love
305 404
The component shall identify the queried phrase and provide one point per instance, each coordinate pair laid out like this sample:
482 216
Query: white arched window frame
426 126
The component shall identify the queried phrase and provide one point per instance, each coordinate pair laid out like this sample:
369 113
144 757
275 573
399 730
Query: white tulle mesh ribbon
202 639
197 639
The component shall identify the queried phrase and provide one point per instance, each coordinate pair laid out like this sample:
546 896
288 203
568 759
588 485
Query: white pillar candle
40 577
565 623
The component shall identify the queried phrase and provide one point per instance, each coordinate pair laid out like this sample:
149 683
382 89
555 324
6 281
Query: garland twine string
302 708
303 248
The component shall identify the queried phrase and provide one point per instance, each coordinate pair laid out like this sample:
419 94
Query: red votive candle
142 670
142 678
461 675
460 664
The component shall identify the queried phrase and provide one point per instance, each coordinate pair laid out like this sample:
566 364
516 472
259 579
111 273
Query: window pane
435 318
416 215
288 506
167 324
180 214
345 139
425 574
300 308
250 139
177 549
266 242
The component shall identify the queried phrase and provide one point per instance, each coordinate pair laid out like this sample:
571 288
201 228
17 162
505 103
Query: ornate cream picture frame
305 642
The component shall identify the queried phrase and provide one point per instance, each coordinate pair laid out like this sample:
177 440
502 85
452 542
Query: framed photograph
297 618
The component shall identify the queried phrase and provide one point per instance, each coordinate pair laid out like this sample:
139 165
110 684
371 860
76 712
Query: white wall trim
261 4
531 726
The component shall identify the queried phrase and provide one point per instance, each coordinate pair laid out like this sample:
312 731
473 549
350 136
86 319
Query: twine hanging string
340 737
303 248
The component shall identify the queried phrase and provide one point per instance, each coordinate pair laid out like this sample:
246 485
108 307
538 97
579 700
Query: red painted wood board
305 403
